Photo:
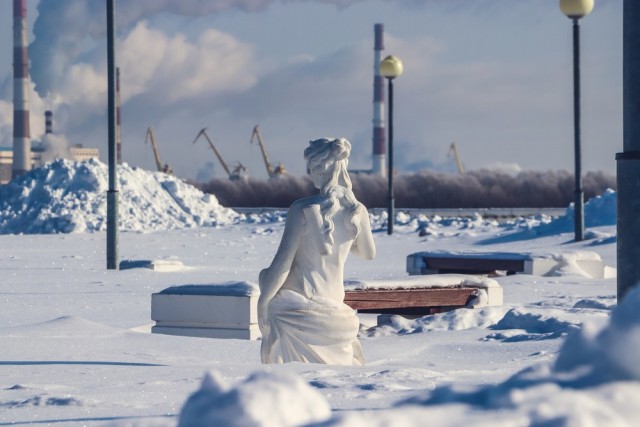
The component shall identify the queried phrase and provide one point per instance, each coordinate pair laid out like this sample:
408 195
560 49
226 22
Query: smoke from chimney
54 146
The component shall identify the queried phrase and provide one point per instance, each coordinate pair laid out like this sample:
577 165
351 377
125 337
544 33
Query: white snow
430 281
66 197
269 399
75 347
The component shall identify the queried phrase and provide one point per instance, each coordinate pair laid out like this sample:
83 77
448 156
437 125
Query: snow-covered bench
422 295
584 263
224 310
230 310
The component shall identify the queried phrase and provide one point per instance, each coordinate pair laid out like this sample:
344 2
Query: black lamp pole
390 213
112 193
579 194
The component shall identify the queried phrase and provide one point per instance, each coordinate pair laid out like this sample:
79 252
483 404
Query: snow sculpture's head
327 160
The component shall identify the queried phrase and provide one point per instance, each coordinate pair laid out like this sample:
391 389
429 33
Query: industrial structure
41 153
453 151
156 153
21 156
48 122
379 141
239 172
272 171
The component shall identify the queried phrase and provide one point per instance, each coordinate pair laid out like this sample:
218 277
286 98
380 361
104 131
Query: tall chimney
48 122
21 127
118 125
379 140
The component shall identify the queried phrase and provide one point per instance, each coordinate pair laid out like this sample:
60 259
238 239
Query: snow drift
71 197
599 211
593 381
266 399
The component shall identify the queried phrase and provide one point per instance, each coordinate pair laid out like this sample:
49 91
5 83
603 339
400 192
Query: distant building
77 152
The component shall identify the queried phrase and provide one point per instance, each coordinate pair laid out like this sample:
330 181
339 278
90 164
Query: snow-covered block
582 263
219 310
162 265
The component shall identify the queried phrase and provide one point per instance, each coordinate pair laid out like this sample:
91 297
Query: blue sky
492 75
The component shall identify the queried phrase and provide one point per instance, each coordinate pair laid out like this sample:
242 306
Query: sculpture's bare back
301 312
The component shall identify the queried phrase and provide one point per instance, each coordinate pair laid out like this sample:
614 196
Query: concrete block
225 310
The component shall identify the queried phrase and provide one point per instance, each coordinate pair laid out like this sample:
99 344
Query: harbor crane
273 172
238 172
453 150
161 168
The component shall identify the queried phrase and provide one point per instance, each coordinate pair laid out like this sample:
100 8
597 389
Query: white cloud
168 69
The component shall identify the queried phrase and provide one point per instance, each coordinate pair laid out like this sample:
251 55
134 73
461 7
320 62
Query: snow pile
71 197
598 211
455 320
595 380
596 355
264 399
519 325
597 364
435 226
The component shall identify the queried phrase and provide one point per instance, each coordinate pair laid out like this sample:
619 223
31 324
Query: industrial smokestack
118 126
48 122
379 140
21 127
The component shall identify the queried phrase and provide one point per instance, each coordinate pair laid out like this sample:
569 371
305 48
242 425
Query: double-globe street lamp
575 10
390 68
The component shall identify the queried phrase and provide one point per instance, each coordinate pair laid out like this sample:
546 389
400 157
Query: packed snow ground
76 349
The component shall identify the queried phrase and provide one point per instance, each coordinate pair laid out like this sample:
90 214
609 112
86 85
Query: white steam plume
64 28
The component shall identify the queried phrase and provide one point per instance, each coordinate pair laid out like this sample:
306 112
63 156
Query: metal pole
579 194
628 162
112 193
390 156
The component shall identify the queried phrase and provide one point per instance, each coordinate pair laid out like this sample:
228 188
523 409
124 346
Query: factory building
76 152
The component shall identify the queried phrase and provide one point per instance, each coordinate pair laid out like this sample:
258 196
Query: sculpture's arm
273 277
364 246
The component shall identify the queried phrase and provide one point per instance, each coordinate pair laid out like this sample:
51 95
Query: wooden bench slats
387 299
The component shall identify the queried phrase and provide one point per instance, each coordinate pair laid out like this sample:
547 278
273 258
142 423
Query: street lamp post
112 193
390 68
575 10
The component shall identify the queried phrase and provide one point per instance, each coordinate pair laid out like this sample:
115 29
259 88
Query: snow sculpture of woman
301 312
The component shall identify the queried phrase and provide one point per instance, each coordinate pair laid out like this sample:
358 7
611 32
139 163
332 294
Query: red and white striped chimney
379 140
48 122
21 127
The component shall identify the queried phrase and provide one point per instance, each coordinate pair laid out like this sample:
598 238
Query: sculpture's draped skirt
313 330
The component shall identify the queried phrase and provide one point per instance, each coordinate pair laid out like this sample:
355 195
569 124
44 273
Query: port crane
453 150
273 172
239 172
161 168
